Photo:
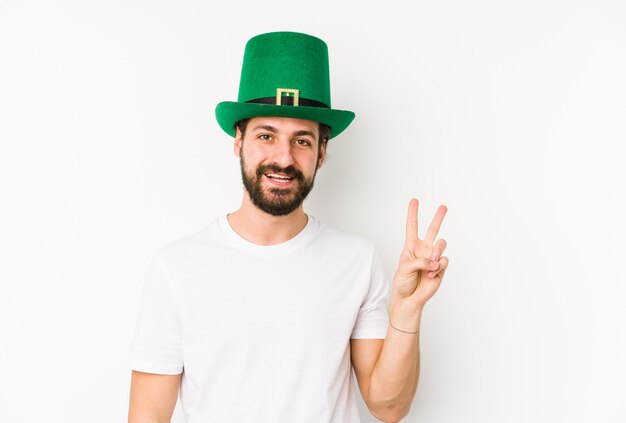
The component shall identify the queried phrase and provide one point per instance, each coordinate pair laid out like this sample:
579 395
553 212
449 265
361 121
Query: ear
321 155
238 142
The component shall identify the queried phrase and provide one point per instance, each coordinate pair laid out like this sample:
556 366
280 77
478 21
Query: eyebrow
274 130
303 132
266 127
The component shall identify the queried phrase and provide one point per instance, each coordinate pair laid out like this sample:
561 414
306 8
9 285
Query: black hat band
289 101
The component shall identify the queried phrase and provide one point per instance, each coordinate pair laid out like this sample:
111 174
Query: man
261 315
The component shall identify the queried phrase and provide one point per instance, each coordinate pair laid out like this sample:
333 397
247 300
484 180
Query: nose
282 153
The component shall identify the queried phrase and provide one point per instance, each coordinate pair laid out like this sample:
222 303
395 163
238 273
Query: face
279 158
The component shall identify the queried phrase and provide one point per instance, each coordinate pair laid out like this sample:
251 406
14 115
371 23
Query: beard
276 201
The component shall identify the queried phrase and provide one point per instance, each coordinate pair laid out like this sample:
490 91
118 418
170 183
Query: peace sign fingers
421 266
412 227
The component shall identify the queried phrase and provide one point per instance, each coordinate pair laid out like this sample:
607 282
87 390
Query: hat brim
228 113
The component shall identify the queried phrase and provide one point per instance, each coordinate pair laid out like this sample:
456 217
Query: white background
510 113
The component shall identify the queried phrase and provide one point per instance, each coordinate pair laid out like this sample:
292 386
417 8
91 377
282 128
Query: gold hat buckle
288 91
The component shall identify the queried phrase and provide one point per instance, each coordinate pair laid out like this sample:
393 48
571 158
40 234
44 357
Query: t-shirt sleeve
373 318
157 343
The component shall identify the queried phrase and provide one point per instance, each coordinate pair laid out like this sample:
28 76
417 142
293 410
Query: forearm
152 397
395 376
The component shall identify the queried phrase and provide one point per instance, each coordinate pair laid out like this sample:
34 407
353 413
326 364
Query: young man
261 315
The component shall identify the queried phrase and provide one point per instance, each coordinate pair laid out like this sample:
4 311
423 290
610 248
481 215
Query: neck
262 228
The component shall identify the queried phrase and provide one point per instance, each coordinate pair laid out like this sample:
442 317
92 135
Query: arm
388 370
152 397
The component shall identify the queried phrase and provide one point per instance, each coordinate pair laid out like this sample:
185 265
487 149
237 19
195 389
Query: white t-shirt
261 333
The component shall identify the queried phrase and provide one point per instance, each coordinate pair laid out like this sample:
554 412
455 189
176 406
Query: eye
265 137
303 142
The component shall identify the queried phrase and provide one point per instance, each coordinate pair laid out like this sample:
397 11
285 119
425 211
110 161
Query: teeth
271 175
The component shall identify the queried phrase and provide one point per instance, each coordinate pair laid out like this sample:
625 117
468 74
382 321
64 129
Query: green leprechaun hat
284 74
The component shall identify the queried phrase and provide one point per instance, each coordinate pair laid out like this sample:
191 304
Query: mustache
289 171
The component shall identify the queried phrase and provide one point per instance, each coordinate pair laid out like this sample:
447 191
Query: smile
279 179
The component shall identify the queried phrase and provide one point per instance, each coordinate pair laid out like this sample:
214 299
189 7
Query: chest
254 297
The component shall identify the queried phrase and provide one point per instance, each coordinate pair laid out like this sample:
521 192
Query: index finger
411 221
433 229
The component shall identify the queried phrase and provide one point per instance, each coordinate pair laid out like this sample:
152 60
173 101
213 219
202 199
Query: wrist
404 306
405 319
412 332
